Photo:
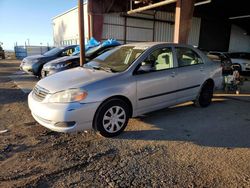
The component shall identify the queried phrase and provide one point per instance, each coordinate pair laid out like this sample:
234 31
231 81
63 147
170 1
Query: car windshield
117 59
52 52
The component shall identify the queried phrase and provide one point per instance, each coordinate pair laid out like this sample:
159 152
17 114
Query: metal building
208 31
65 27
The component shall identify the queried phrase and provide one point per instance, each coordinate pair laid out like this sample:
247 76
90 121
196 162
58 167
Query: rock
122 164
4 131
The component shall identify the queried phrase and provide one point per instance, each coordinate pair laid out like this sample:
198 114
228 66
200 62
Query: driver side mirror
144 68
64 54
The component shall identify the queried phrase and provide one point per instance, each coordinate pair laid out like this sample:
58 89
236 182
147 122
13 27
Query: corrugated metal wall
139 30
194 35
164 31
113 27
239 41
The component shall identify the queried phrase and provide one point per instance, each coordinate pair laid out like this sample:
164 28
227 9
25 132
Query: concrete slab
23 81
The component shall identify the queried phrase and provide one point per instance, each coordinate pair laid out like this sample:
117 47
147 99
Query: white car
125 82
241 59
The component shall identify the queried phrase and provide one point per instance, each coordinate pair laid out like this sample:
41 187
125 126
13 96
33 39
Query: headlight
71 95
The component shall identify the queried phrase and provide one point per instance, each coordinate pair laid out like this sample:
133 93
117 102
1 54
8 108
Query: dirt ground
181 146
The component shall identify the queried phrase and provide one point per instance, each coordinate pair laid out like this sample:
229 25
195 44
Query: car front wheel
111 118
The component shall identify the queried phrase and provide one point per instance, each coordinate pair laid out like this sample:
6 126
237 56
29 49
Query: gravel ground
181 146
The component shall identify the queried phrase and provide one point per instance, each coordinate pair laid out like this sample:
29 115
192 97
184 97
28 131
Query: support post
183 20
95 11
81 32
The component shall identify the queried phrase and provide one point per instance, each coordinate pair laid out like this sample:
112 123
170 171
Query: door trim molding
170 92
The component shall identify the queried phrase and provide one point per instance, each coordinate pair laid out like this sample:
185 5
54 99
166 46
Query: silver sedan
125 82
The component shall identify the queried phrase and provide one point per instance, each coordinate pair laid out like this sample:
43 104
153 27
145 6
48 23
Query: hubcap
114 119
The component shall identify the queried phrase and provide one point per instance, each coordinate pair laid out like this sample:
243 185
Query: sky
29 21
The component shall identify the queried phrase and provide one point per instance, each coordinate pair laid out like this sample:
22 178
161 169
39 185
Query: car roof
218 52
239 52
69 46
151 44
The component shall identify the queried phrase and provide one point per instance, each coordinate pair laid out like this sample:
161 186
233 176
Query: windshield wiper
106 69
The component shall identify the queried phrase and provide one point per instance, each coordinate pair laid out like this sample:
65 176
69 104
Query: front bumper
49 114
246 68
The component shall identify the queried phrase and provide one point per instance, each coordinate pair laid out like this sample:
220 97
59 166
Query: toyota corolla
125 82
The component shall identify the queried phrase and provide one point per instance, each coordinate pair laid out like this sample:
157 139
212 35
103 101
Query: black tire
237 67
39 73
205 96
103 110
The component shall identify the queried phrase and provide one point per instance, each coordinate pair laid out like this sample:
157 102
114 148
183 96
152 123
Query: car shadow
12 95
11 64
225 123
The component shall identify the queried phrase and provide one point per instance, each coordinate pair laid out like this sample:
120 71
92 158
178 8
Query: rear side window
187 57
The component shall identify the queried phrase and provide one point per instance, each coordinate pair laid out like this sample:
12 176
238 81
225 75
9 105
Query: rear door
191 73
156 80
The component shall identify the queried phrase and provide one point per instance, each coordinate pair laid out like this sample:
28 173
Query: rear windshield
239 55
52 52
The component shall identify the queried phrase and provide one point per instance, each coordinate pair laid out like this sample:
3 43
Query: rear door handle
173 74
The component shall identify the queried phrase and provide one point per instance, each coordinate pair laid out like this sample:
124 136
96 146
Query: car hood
60 60
72 78
30 58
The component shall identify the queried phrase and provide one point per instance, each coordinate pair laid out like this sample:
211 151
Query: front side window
68 52
160 59
187 57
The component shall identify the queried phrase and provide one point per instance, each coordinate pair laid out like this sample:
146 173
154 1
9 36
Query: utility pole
41 48
81 31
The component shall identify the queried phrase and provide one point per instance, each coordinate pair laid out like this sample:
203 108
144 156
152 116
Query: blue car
34 64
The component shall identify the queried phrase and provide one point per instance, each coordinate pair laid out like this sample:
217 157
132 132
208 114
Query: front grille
44 73
39 93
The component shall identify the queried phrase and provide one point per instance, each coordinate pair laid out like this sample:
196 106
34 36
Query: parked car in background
34 64
124 82
223 59
240 60
2 53
72 61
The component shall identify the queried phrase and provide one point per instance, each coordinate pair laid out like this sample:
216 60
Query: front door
156 81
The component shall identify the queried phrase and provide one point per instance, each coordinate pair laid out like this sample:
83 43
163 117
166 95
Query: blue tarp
110 42
93 43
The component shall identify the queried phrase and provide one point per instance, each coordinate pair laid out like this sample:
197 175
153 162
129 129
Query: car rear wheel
205 96
111 118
